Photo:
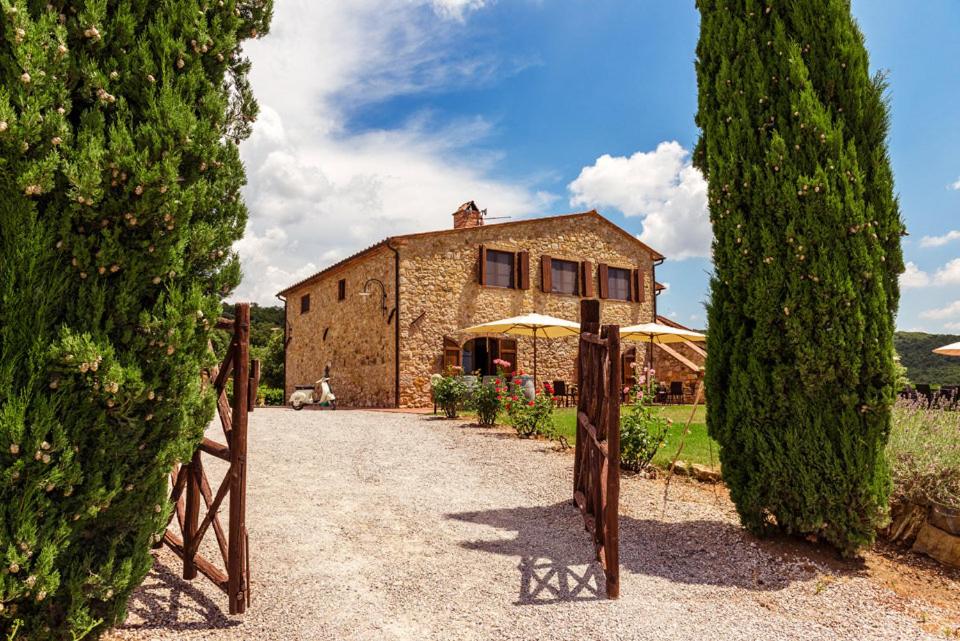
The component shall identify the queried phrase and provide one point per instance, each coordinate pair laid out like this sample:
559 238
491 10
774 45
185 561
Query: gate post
611 506
236 570
191 515
590 323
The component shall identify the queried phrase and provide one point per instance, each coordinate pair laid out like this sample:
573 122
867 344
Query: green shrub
449 392
642 431
924 454
486 400
272 396
806 258
119 205
530 418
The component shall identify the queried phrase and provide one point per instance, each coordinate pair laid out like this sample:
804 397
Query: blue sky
382 116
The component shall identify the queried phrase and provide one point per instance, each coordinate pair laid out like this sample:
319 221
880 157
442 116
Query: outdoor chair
948 395
560 391
676 392
924 393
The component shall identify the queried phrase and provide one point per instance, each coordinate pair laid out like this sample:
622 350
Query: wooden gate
596 471
190 484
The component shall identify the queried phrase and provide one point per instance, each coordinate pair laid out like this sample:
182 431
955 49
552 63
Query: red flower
530 403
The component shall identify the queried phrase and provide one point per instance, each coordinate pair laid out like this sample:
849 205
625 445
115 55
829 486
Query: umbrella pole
534 362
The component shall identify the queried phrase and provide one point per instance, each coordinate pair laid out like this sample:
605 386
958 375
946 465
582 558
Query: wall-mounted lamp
383 293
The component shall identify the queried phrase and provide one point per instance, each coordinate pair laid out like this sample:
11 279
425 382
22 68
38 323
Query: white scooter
321 395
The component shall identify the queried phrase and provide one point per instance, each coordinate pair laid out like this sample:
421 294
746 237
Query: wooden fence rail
190 485
596 471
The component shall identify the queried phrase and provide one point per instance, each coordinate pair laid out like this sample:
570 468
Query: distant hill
923 366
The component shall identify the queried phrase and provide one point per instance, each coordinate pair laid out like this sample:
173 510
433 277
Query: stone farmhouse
388 317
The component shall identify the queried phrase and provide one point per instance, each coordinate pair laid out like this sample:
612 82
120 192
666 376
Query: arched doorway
479 354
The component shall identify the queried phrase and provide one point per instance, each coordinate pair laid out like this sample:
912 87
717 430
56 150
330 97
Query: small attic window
342 289
305 303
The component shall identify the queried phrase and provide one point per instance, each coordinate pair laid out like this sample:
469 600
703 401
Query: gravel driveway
375 526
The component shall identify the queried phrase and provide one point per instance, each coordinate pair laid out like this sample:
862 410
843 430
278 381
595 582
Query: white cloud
319 191
950 311
663 187
955 185
456 8
949 274
913 277
939 241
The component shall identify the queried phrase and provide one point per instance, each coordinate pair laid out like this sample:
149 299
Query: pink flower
626 390
642 380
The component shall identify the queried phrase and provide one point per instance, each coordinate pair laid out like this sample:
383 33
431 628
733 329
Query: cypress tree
119 204
806 260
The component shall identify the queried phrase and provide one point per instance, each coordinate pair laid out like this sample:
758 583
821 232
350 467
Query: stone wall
669 369
352 335
440 294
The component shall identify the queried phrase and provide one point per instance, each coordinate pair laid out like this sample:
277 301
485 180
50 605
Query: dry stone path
378 526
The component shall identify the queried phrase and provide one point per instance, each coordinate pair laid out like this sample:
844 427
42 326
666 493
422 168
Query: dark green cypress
806 260
119 203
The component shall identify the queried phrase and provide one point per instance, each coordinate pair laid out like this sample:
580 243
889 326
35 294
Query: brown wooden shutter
451 353
587 289
634 285
482 266
546 274
641 293
523 270
604 284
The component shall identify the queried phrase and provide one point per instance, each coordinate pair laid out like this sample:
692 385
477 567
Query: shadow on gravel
557 561
166 601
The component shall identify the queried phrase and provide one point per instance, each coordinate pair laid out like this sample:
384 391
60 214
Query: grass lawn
696 449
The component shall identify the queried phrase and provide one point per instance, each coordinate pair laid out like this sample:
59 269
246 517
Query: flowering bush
449 392
530 418
642 431
486 401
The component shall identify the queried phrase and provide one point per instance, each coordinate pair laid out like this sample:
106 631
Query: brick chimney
469 215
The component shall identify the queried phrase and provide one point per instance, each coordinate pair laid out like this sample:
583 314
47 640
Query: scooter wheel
298 406
333 405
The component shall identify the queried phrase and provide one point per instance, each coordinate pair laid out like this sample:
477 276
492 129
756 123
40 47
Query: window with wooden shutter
627 372
500 269
508 352
342 289
305 303
586 280
618 283
523 270
546 274
564 277
482 266
639 290
603 272
451 353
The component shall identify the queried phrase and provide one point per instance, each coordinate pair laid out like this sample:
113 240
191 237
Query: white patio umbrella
657 333
535 325
948 350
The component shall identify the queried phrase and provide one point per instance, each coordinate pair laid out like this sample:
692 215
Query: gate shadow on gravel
558 563
166 601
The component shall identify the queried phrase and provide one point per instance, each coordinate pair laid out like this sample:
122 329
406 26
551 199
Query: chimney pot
469 215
